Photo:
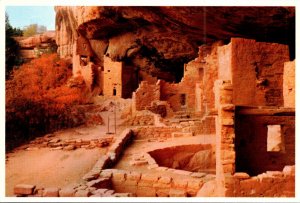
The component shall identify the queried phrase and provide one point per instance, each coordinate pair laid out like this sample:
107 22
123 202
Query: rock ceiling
173 34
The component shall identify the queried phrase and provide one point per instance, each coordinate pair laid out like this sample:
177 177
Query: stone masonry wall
156 132
289 84
210 74
257 71
268 184
153 184
145 95
225 135
172 92
112 77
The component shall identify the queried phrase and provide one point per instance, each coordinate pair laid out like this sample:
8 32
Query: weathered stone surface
24 189
177 193
91 176
82 193
179 183
207 190
165 180
99 183
289 84
67 192
69 148
290 170
51 192
241 175
123 195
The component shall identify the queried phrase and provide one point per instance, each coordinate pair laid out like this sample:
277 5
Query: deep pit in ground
194 158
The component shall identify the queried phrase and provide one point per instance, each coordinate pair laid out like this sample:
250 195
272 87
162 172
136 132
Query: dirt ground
45 167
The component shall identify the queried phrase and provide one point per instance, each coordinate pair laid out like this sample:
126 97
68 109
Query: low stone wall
141 118
154 185
268 184
204 126
188 158
155 132
71 144
112 156
101 187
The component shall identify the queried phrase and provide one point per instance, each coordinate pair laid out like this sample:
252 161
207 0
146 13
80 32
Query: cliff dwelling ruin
199 101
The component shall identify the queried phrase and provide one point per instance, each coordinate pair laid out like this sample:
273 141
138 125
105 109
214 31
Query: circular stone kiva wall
194 158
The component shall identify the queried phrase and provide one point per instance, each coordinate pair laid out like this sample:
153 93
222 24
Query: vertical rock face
159 40
65 28
289 84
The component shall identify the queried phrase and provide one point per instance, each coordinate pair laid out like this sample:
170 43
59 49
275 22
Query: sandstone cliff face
32 47
162 39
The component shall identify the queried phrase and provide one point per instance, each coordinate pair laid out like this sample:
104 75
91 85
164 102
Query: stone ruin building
232 111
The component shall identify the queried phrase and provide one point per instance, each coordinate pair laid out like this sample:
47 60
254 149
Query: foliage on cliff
11 46
40 98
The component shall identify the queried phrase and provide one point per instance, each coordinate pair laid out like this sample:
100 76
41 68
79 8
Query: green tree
34 29
30 30
11 47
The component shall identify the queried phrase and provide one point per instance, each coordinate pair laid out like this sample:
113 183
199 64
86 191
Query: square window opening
275 139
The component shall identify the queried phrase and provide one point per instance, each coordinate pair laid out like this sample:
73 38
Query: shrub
39 99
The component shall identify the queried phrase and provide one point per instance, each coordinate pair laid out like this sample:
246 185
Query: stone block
161 186
228 168
165 180
227 155
147 180
138 162
100 183
227 121
81 187
145 192
51 192
69 148
90 176
179 183
92 189
67 192
162 192
82 193
227 107
131 182
207 190
289 170
198 175
109 193
123 187
177 193
24 189
241 175
106 173
149 177
274 173
249 184
195 184
119 176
